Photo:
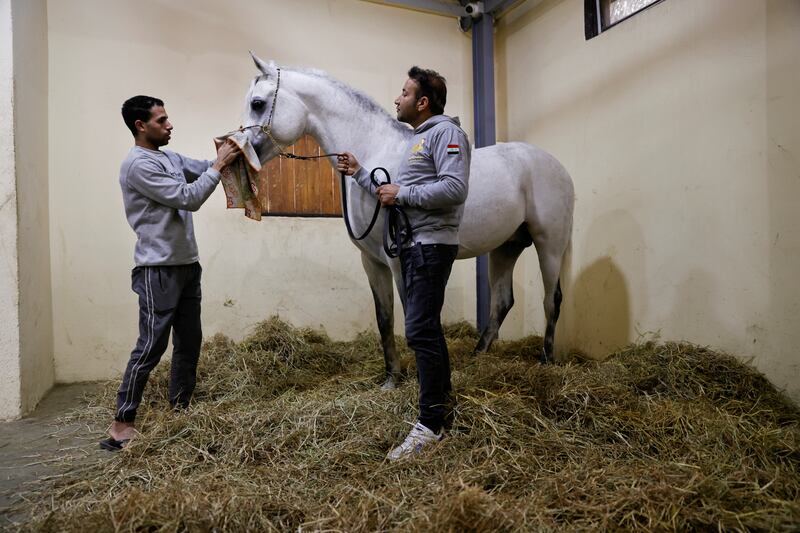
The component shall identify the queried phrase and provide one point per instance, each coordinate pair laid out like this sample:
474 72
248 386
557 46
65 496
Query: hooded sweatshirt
433 179
160 188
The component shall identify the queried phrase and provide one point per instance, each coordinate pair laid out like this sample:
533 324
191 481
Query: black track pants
169 300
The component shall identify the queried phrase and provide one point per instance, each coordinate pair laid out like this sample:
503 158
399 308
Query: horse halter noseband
266 129
396 228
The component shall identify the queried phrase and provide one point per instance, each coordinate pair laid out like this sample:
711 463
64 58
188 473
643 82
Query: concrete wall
30 110
681 129
10 402
194 55
26 339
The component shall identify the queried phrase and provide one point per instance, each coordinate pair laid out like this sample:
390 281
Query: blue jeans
426 269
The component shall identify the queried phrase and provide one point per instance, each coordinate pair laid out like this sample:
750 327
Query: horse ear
266 69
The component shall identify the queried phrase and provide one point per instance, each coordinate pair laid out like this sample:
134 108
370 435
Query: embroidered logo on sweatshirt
453 149
417 151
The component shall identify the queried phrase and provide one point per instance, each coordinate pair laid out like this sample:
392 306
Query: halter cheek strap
266 129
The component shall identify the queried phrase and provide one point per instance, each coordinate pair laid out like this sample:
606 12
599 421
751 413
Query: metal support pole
483 97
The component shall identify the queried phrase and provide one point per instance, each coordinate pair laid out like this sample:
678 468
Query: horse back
510 185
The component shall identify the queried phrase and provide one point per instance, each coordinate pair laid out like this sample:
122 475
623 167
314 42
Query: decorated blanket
240 178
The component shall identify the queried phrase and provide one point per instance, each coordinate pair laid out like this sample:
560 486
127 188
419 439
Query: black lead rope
396 227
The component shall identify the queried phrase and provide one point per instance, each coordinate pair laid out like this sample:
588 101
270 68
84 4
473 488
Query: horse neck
341 120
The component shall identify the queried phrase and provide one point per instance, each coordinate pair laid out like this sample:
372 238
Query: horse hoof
389 384
480 348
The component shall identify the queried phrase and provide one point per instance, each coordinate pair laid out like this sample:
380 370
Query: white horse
518 193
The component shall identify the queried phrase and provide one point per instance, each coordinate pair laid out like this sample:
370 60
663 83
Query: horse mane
361 99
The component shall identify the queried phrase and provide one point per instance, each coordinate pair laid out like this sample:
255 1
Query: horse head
275 116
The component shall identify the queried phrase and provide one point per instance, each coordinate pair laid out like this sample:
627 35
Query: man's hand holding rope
349 165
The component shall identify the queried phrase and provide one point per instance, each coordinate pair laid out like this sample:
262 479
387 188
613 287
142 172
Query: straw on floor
289 430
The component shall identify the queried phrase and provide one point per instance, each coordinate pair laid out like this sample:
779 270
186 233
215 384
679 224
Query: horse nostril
257 145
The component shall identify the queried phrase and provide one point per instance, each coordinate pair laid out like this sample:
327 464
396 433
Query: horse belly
494 210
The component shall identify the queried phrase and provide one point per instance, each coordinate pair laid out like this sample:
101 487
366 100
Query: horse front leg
380 281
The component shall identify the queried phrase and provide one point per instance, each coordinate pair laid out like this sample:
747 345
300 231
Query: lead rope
396 227
346 213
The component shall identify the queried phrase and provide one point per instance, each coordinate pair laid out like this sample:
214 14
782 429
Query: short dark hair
431 84
138 108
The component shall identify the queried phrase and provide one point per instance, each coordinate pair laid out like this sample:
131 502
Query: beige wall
26 340
30 109
193 54
10 402
681 129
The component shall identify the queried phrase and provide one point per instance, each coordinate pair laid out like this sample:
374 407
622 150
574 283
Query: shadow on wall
597 315
600 317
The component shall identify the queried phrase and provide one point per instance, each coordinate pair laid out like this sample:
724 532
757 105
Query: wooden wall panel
289 187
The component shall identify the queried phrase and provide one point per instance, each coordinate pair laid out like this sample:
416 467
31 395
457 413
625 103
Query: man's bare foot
122 433
122 430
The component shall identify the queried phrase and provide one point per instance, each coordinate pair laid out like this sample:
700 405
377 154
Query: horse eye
257 105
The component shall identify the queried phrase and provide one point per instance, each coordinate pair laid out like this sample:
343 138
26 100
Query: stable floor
31 448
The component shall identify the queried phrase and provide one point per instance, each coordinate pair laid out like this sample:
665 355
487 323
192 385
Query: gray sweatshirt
159 189
433 179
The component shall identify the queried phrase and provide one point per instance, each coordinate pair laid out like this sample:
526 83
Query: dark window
600 15
290 187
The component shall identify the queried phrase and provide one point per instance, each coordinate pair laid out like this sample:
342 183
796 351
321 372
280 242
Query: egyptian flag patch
453 149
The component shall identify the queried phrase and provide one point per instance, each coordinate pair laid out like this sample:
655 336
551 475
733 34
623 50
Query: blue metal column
483 106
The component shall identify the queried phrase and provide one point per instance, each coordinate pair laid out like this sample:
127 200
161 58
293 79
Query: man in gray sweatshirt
431 187
160 189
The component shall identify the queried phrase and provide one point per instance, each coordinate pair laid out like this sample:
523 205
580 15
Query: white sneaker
419 437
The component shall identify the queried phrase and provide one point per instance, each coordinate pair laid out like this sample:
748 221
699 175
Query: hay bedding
289 432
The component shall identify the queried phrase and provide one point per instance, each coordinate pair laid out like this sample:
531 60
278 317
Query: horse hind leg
501 284
551 255
550 332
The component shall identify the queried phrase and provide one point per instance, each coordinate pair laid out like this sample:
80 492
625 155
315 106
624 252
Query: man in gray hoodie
160 189
431 187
